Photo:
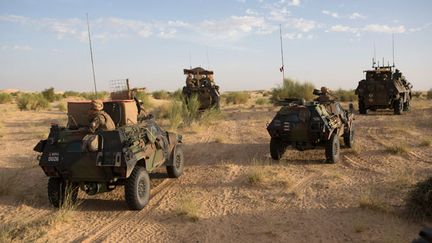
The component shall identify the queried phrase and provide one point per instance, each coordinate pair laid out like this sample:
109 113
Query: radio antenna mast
91 56
208 60
282 69
190 60
374 58
393 49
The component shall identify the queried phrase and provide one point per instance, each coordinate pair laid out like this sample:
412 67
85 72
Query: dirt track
299 199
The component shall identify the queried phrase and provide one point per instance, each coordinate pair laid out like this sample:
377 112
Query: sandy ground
231 190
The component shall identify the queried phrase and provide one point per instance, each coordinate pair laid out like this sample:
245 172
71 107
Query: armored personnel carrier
200 83
309 125
384 88
121 157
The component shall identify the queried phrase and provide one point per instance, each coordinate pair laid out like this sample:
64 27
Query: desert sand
231 190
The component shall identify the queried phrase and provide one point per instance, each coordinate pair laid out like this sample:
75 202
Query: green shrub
49 94
175 114
71 94
262 101
161 95
61 107
5 98
293 89
419 201
429 94
236 97
191 109
177 95
32 102
144 98
93 96
416 94
345 95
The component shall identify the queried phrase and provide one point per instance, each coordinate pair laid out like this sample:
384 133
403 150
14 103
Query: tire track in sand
373 134
102 230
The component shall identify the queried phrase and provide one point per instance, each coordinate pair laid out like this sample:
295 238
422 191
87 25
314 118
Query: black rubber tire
398 107
60 190
277 148
349 137
362 108
407 106
137 188
176 170
332 149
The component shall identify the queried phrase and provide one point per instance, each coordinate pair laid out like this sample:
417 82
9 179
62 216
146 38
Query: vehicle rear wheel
176 169
398 107
362 107
137 188
61 192
406 106
277 148
349 137
332 149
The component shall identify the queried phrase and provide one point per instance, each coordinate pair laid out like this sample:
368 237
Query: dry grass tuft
359 227
426 143
255 176
366 201
189 208
397 149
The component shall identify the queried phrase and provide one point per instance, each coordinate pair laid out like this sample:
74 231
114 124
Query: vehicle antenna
91 56
374 58
190 60
393 49
208 59
282 69
383 63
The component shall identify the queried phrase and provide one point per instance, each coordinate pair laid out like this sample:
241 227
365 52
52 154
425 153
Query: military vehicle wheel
362 108
349 138
398 107
176 169
277 148
60 191
332 149
406 106
137 188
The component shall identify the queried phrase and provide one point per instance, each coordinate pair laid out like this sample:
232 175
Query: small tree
49 94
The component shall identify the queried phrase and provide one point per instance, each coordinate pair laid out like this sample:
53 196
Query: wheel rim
142 190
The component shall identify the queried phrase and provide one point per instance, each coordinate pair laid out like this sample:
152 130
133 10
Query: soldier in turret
99 119
190 81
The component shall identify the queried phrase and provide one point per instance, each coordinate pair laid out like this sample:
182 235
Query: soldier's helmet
97 105
325 90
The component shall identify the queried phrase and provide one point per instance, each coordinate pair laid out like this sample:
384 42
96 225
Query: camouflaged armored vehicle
309 125
200 83
384 88
121 157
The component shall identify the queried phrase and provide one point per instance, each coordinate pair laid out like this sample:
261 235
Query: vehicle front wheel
176 169
61 192
137 188
332 149
362 107
398 107
406 106
277 148
349 137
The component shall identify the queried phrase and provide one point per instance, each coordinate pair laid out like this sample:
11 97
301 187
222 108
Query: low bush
429 94
345 95
32 102
416 94
161 95
236 97
5 98
71 94
419 201
293 89
49 94
144 98
262 101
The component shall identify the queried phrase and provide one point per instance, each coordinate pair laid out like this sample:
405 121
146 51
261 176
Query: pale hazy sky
327 42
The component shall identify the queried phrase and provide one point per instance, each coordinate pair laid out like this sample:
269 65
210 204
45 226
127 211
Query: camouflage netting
419 203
